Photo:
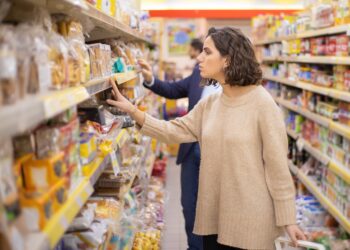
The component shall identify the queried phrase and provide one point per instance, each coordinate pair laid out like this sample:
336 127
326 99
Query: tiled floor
174 237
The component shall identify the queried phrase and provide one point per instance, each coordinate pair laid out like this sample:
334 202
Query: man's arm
170 90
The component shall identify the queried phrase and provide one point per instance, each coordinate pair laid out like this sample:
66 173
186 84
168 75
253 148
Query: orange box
42 174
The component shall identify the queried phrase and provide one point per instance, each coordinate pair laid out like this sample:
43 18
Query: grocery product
88 149
41 174
8 64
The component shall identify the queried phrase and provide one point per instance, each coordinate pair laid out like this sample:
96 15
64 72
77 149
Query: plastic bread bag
58 60
84 219
90 239
75 63
25 50
8 65
39 71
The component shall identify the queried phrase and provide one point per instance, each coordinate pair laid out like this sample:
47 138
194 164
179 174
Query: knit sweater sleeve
181 130
277 174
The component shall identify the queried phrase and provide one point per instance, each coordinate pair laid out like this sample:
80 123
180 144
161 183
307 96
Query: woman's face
211 63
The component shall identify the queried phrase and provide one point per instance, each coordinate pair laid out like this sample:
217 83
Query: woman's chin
203 75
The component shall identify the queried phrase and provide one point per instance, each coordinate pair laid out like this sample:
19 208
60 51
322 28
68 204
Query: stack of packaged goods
49 172
315 219
297 52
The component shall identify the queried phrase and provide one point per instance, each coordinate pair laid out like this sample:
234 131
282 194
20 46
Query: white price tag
79 201
300 145
115 164
64 223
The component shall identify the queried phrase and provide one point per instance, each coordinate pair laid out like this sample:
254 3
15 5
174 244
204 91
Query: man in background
189 153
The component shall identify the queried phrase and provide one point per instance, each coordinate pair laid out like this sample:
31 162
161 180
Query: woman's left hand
295 234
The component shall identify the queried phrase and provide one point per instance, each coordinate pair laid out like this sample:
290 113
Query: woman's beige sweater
246 193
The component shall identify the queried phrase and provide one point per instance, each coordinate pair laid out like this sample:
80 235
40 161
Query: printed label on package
115 164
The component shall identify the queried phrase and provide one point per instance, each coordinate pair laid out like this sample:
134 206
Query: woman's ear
226 62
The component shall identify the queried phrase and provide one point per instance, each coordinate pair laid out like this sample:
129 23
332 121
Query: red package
331 44
342 48
347 80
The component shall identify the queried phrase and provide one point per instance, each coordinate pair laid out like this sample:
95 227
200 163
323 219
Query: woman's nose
200 57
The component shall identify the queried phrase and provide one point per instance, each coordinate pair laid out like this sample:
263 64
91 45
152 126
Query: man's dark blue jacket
187 87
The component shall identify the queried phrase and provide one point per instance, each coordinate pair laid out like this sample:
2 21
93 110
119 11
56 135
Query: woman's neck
236 91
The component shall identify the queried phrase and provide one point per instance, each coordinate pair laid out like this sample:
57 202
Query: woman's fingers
113 103
294 239
301 235
115 88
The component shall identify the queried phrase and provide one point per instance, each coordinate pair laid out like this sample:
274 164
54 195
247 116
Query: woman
246 194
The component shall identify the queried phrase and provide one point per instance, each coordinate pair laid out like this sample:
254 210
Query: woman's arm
180 130
277 174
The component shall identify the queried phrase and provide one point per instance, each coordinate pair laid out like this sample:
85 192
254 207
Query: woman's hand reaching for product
125 105
295 234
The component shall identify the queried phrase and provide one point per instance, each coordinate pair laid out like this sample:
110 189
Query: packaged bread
8 65
58 58
34 50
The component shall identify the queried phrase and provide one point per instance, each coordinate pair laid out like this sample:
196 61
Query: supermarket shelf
337 94
341 60
317 154
104 26
340 170
326 122
98 166
122 137
293 168
326 203
270 58
292 133
98 85
337 168
29 112
307 34
34 109
61 221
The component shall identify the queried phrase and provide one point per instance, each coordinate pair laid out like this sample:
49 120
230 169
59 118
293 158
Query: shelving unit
309 59
334 93
326 122
326 203
337 168
35 109
292 134
58 224
308 34
104 25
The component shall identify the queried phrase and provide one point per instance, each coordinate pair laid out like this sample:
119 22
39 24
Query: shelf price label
115 163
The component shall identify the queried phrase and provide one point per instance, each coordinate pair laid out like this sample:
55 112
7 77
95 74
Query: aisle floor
174 237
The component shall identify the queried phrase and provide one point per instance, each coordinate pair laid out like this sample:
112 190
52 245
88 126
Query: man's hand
146 70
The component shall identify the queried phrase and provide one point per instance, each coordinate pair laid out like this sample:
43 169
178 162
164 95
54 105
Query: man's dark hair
243 68
197 44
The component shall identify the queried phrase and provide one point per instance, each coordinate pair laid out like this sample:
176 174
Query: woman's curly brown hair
243 68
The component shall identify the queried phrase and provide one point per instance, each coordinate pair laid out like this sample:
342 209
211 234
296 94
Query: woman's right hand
120 101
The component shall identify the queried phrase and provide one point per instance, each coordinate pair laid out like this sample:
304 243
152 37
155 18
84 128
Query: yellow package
37 208
59 194
41 174
88 148
18 169
107 6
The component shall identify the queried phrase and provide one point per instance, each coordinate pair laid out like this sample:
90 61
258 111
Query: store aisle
174 237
